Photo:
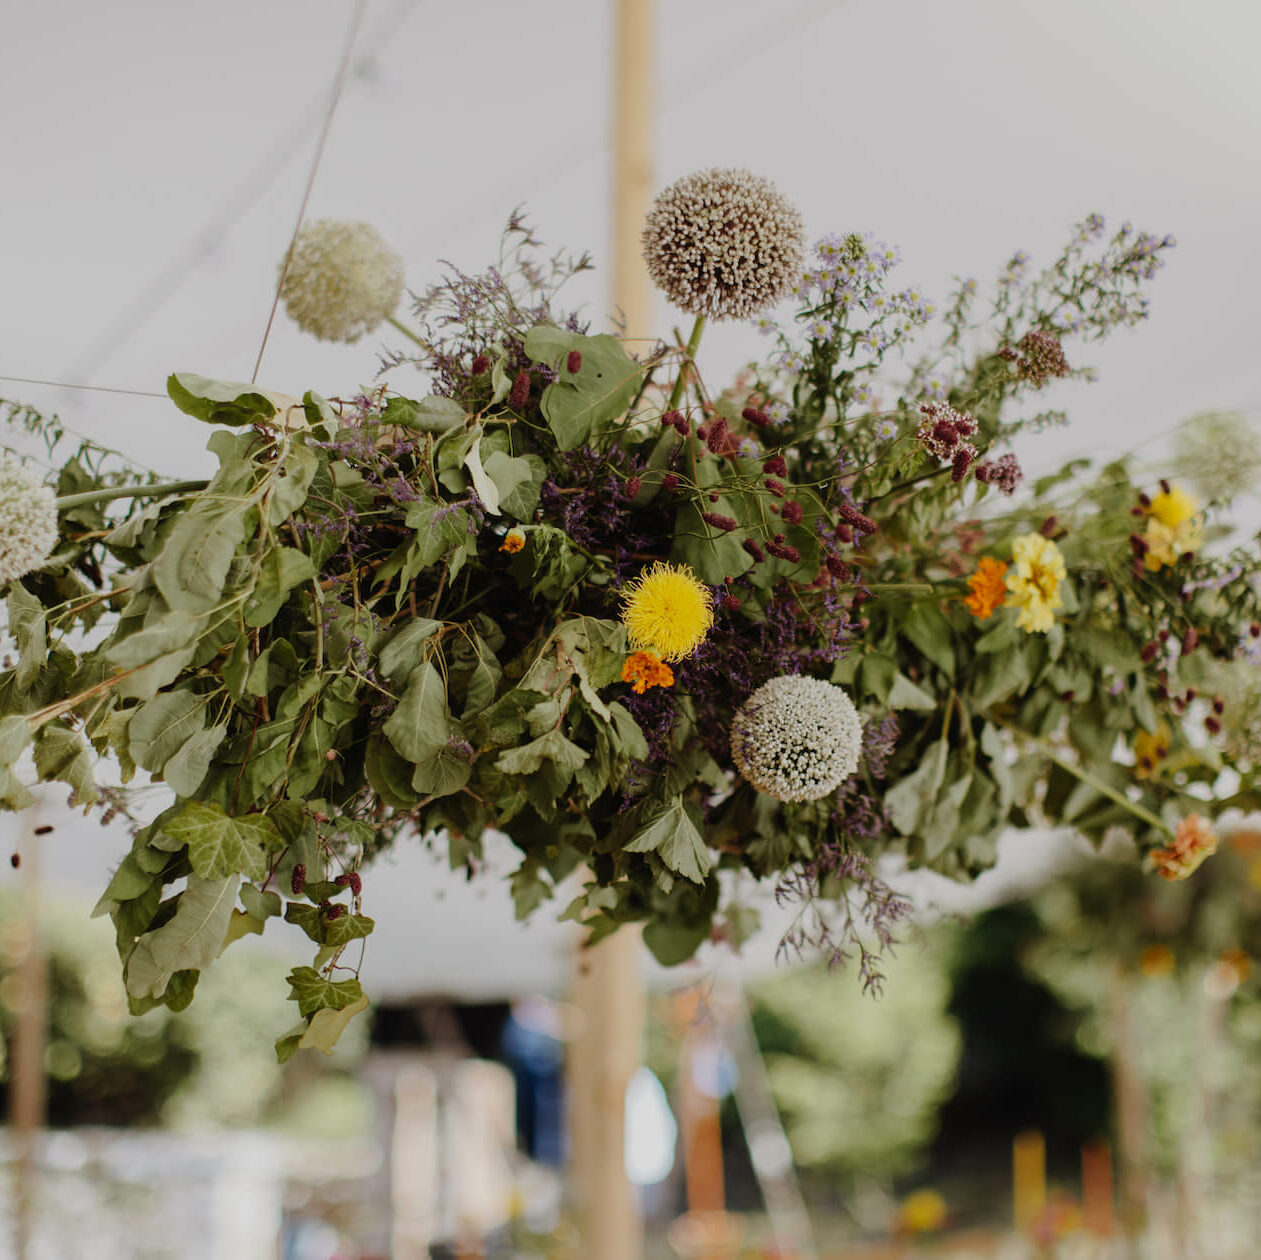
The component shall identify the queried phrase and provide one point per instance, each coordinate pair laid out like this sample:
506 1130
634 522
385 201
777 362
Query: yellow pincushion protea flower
1034 582
667 610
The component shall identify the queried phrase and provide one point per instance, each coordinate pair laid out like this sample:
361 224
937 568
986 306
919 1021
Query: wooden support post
608 1046
604 1054
1028 1169
1096 1188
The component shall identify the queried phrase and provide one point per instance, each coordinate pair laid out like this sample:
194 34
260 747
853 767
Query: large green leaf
28 627
194 563
327 1026
189 941
406 649
282 569
911 800
221 845
421 726
676 840
579 404
163 725
187 767
65 755
218 402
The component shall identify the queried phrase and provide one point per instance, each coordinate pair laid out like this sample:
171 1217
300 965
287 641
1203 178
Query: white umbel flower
343 280
723 243
1219 452
28 520
797 738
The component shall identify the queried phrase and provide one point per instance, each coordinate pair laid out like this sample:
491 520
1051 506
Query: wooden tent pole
609 994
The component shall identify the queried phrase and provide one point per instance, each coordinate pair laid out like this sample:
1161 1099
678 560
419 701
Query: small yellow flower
1157 960
922 1212
1150 751
667 611
988 590
1174 506
1034 584
1167 544
1192 843
646 669
513 541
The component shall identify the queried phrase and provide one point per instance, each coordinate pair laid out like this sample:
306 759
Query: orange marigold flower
513 541
646 669
987 587
1192 843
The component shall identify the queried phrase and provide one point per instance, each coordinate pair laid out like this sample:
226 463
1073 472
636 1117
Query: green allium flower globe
724 244
797 738
1220 453
343 280
28 520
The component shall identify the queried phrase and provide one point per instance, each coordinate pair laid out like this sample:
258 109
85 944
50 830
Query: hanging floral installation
653 631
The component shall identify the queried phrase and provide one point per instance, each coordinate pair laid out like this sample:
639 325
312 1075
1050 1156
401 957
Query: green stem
156 491
689 357
407 332
1106 789
902 588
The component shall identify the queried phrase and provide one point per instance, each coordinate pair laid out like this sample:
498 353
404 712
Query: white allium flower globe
28 520
343 280
797 738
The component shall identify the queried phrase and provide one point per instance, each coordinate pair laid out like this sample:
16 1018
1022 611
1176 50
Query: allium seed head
724 244
342 280
797 738
28 520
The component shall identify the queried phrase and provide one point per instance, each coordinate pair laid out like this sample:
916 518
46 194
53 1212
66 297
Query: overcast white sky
162 148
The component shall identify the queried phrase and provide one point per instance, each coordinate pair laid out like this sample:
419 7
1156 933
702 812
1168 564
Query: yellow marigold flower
1034 585
1182 856
1174 506
987 587
1167 544
667 611
1157 960
1149 751
513 541
922 1212
646 669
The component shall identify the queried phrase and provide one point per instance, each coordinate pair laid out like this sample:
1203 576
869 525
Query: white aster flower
723 243
797 738
343 280
28 520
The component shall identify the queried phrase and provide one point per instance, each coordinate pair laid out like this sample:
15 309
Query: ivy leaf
675 839
189 941
674 943
64 754
580 403
27 625
262 905
242 924
327 1026
325 931
218 402
314 992
551 746
187 768
162 726
222 845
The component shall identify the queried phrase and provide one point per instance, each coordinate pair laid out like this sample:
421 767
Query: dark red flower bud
1212 725
298 882
792 513
754 550
15 860
864 524
520 391
837 567
1189 641
574 362
775 487
718 521
1138 545
1163 636
730 603
718 433
783 552
633 485
356 884
714 496
1219 705
702 432
1255 629
1149 652
776 466
1165 486
480 364
1049 526
960 465
332 911
1191 693
756 416
343 880
844 533
1145 500
1136 512
670 482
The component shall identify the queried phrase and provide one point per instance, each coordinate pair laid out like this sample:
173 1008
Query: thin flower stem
128 492
1106 789
407 332
689 356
